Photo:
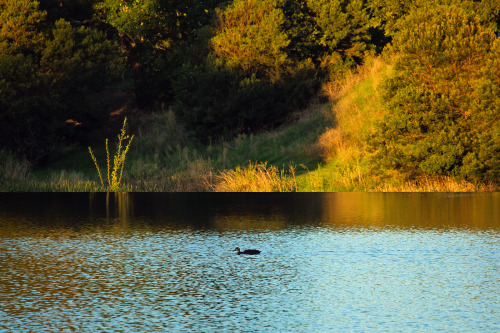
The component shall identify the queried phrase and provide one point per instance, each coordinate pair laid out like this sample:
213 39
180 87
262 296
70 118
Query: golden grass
427 183
256 177
356 104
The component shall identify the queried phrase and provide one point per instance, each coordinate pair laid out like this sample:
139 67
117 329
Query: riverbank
320 149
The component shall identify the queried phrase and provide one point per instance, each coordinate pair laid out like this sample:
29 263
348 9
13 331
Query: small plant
115 177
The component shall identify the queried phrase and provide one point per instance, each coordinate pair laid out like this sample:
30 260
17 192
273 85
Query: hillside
320 148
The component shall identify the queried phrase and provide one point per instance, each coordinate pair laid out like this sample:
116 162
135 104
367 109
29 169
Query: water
343 262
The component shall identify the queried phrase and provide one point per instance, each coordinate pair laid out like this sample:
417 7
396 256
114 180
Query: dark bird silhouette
247 251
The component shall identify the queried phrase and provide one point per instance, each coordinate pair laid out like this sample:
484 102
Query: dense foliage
227 67
444 96
47 70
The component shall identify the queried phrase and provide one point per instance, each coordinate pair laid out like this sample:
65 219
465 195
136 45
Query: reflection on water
329 262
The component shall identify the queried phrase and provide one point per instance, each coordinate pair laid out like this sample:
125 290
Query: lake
332 262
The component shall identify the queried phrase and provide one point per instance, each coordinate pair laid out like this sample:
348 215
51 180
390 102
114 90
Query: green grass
174 163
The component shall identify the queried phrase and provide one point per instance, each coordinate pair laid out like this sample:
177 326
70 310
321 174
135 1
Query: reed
114 174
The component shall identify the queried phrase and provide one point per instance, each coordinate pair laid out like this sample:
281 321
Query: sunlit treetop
156 22
20 23
249 36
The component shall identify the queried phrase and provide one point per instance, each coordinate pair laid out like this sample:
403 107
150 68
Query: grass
356 104
174 163
320 149
256 177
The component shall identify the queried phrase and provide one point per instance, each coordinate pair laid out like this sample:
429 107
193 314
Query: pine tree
20 26
446 64
250 37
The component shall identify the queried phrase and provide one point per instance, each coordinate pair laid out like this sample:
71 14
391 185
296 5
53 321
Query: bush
443 97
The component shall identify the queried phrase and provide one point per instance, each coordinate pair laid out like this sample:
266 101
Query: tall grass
427 183
355 105
257 177
173 163
159 134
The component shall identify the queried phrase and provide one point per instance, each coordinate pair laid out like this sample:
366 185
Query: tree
27 108
302 31
344 25
149 31
391 14
20 26
79 59
75 11
250 38
46 73
447 65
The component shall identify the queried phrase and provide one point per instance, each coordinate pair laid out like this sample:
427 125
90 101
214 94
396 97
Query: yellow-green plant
115 177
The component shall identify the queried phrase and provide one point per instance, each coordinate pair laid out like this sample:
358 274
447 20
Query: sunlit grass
257 177
355 106
435 184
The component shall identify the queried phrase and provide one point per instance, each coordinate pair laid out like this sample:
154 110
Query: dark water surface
340 262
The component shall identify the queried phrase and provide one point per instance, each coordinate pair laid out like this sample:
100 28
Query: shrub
443 97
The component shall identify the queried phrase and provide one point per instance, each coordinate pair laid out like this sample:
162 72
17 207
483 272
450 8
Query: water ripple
114 276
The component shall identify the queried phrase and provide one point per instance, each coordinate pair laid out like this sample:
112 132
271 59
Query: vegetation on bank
247 95
322 148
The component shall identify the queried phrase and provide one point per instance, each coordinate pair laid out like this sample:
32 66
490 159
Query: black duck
247 251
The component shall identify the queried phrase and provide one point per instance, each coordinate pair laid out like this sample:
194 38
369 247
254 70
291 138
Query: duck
247 251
